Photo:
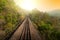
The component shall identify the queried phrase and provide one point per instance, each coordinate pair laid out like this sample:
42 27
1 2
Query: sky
42 5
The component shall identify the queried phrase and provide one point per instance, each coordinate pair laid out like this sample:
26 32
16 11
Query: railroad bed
26 31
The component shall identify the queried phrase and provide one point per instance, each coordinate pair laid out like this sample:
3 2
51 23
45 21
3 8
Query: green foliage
46 25
2 5
9 17
8 27
1 17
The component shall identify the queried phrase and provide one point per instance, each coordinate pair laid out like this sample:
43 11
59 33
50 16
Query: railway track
26 31
25 35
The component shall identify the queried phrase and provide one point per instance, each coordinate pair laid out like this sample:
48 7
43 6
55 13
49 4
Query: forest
47 25
10 17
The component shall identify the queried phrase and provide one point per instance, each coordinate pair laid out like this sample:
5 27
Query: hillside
9 18
55 13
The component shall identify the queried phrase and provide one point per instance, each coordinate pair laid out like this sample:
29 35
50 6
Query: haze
42 5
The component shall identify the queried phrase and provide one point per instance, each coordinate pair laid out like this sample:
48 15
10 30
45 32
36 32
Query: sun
27 5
